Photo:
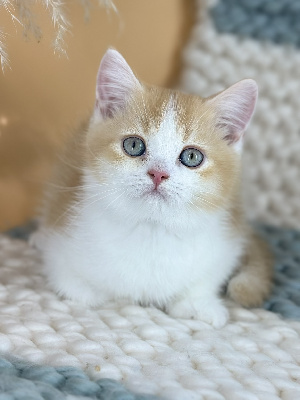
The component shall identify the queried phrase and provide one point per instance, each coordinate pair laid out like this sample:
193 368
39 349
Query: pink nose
157 176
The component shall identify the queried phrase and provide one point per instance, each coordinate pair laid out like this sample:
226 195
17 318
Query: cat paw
212 312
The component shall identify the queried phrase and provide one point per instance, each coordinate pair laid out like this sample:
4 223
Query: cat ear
115 84
235 107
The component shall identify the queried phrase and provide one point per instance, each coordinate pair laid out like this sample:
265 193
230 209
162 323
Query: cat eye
134 146
191 157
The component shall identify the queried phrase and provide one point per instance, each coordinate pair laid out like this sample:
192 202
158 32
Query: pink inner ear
108 101
115 84
235 107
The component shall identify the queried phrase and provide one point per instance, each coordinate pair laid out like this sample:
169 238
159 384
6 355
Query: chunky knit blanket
55 349
65 350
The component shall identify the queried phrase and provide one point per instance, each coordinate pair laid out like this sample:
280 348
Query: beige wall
43 94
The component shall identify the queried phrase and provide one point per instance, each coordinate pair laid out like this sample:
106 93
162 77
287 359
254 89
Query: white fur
126 242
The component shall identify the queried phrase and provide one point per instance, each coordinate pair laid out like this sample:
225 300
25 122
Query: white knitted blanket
256 356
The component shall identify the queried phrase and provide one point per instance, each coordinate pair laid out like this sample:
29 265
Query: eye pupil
134 146
191 157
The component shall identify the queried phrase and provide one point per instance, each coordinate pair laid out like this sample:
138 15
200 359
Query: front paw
210 311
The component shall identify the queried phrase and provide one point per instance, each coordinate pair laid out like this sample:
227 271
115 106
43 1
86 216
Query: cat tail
251 285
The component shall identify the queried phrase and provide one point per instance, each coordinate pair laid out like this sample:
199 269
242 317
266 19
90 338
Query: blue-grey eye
134 146
191 157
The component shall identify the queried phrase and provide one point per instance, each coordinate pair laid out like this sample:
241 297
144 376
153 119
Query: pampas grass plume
21 12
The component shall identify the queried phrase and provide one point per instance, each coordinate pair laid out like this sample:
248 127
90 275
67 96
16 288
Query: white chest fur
103 257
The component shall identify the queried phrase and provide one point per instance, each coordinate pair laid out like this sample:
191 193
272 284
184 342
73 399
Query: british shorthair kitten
146 201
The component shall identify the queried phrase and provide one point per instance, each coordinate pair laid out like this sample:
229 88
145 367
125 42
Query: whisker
95 201
64 213
81 187
206 201
108 193
77 203
115 199
76 167
194 205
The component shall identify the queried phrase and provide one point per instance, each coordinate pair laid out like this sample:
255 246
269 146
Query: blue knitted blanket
22 381
285 298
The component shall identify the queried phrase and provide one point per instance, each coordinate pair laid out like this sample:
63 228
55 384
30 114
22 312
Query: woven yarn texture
285 245
273 20
255 356
21 380
259 39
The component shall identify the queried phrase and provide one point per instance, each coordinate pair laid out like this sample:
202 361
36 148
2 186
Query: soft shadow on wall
44 95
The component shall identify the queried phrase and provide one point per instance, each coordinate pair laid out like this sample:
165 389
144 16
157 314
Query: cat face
158 153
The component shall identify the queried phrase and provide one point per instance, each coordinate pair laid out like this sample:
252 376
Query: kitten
146 201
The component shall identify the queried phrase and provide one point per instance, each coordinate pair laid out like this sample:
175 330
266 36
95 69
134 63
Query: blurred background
44 95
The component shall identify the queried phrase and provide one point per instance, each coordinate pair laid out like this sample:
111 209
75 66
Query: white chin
157 196
158 208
